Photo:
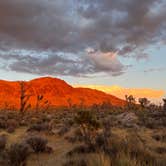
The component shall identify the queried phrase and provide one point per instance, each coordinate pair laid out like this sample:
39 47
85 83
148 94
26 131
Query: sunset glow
154 95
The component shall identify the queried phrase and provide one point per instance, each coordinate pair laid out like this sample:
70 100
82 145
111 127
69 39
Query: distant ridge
56 91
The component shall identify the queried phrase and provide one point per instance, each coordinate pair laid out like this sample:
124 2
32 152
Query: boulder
128 119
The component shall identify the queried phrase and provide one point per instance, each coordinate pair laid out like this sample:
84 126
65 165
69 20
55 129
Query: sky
85 42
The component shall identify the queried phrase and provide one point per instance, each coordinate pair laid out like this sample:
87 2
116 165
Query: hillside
57 92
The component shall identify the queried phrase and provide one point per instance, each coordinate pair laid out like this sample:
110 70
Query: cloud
155 69
61 64
69 27
106 62
152 94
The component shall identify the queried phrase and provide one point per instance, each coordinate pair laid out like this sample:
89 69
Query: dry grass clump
76 160
79 162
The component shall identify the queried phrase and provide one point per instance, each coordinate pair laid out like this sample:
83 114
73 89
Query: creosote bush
39 127
38 144
18 154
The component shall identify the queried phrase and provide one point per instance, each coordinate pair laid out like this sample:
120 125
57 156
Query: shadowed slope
56 91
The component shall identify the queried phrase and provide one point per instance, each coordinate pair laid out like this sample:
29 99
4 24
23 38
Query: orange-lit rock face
56 91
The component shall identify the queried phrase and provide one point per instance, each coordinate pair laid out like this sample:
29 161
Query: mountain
57 92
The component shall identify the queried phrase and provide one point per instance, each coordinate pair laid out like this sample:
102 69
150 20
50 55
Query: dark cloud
36 24
52 64
68 28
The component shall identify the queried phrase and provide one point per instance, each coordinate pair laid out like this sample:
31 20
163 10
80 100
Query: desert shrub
63 130
23 122
102 143
71 139
94 140
164 106
106 106
18 154
95 107
159 137
78 135
3 141
4 158
38 144
124 151
12 122
100 140
134 148
160 150
156 137
39 127
81 149
3 115
8 124
10 129
3 124
35 120
88 124
69 122
46 118
103 138
152 119
150 123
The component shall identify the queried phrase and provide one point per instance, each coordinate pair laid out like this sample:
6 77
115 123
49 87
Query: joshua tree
143 102
82 102
88 125
164 106
130 101
41 103
39 99
106 105
69 103
24 98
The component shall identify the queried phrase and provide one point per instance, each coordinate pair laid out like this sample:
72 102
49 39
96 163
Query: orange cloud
154 95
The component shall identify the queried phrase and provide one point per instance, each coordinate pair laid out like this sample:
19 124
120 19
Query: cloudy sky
85 42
